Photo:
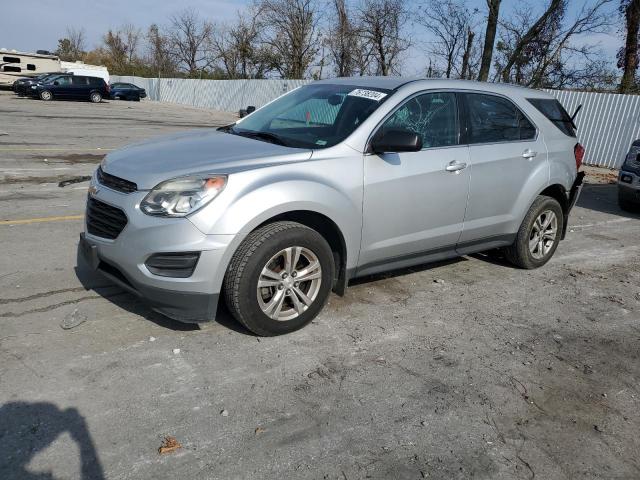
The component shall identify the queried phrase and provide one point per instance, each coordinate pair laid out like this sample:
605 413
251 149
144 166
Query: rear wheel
279 279
95 97
46 95
539 234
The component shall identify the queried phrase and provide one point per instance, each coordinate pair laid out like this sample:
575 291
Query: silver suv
335 180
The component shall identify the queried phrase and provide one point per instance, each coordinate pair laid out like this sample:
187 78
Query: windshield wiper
267 136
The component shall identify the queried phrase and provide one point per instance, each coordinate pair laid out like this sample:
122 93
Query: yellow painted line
27 221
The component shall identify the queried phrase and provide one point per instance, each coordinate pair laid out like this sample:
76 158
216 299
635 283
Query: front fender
246 205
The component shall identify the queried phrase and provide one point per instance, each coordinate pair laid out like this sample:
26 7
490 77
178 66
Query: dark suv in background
22 86
71 87
629 180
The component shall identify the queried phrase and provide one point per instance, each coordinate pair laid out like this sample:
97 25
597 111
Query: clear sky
34 25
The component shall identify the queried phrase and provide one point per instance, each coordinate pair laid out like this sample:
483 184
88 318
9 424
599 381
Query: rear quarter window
554 111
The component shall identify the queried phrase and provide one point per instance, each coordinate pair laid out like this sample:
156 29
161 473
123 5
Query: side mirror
250 109
56 83
396 141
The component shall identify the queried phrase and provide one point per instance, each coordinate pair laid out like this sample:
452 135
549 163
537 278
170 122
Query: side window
433 116
79 81
63 81
496 119
94 80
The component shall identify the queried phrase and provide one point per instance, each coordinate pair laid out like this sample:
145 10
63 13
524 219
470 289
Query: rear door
80 87
414 202
506 152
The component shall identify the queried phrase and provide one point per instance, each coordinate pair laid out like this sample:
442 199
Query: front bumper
122 260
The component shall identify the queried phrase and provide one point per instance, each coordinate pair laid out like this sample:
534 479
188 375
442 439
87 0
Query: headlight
182 196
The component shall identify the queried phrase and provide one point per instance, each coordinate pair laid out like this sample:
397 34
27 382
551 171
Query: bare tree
190 40
544 55
628 55
237 46
131 36
73 46
551 14
291 31
115 48
489 38
465 70
449 22
343 40
381 25
159 58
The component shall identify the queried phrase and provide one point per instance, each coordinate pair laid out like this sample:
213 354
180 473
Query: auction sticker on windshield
370 94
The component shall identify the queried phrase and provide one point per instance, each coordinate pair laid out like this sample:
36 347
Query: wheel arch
331 233
559 192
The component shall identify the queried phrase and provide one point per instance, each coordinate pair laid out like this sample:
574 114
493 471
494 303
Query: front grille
115 183
104 220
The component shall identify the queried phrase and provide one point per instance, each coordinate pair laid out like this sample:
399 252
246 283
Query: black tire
627 205
241 280
519 253
46 95
95 97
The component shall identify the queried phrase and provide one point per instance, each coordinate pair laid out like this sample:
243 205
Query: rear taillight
578 152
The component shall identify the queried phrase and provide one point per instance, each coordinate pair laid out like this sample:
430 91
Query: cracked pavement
467 368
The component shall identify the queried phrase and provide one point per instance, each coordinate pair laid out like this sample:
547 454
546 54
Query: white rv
14 65
81 68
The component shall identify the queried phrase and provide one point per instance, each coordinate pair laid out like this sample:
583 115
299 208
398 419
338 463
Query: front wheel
46 95
279 279
539 234
95 97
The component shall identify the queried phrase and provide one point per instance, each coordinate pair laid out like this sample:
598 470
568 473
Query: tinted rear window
95 80
494 119
552 109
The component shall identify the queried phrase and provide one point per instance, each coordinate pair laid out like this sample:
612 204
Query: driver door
414 202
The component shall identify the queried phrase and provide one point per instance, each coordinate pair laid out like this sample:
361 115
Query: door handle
529 153
455 166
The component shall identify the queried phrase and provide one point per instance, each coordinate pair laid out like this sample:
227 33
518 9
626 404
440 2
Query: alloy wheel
289 283
543 234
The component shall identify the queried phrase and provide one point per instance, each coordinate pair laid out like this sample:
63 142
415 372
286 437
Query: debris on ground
176 351
259 430
73 320
152 339
438 280
224 413
70 181
169 444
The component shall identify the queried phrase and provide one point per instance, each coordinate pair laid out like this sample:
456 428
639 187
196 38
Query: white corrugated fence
607 124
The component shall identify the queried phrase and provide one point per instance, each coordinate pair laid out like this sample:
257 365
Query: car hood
197 151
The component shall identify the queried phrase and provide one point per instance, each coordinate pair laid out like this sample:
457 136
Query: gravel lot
463 369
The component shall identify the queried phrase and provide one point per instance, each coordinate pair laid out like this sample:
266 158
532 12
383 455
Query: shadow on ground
92 280
603 198
29 428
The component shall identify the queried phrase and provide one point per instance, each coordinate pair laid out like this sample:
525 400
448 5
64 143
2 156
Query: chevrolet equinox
335 180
